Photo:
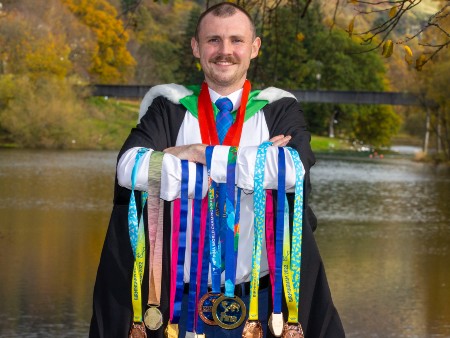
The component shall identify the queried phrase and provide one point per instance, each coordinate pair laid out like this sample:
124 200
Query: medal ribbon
132 212
292 260
137 238
281 197
270 239
259 200
196 250
232 228
155 210
181 245
202 282
214 240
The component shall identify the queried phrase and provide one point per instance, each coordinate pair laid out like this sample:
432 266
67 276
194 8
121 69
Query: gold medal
200 335
229 313
153 318
292 330
276 324
172 330
252 329
137 330
205 306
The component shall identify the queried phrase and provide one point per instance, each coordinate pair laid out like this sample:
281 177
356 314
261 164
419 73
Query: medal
259 200
137 239
205 307
276 324
153 318
229 313
171 330
252 329
137 330
292 330
275 251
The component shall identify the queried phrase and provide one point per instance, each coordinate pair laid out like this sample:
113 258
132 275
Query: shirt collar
235 97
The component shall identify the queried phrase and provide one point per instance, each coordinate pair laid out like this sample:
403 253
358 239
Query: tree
157 39
111 61
387 24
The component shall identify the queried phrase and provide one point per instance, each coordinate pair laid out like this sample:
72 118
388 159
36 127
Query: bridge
316 96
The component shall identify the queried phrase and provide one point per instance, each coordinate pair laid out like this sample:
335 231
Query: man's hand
280 140
190 152
196 152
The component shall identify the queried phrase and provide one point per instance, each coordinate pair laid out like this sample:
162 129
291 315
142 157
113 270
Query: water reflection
383 232
385 237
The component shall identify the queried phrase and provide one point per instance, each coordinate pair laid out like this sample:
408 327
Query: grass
327 144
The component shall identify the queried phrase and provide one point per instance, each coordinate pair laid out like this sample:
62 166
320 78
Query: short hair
224 10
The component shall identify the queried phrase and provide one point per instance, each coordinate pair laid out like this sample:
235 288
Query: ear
255 47
195 49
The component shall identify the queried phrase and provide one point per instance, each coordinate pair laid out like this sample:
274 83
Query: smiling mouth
224 61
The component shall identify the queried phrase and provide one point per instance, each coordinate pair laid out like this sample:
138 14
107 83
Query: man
173 121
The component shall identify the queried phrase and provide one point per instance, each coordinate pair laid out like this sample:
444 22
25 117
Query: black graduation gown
158 129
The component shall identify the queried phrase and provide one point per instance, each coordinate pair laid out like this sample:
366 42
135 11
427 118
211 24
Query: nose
226 47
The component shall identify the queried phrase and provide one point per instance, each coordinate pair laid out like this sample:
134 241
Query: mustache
224 58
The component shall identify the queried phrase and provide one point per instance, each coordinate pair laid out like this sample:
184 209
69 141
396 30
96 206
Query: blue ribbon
195 241
182 240
279 235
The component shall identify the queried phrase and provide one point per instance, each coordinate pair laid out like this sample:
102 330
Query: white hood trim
273 94
173 92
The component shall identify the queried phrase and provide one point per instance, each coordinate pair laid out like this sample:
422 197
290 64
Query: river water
384 235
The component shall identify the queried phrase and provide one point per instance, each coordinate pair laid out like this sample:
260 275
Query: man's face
225 48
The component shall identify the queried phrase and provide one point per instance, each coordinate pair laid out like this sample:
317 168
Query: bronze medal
293 330
153 318
276 324
172 330
252 329
137 330
229 313
205 307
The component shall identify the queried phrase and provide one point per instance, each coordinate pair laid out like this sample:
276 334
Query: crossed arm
196 152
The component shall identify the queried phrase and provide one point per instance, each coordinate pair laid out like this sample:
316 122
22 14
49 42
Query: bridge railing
316 96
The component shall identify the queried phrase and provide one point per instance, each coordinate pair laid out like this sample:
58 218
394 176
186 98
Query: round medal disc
229 313
137 330
292 330
153 318
252 329
205 306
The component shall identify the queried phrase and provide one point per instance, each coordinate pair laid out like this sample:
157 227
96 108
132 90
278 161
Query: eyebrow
242 37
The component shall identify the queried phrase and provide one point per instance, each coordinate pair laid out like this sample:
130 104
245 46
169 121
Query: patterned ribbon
137 239
292 260
214 236
155 211
259 200
133 225
232 229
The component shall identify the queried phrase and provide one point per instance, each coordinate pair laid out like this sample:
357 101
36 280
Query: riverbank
109 121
